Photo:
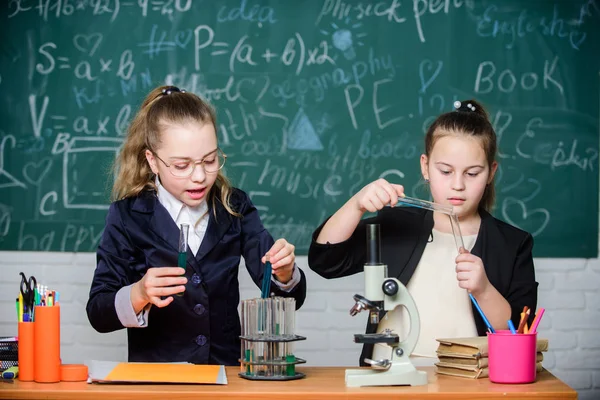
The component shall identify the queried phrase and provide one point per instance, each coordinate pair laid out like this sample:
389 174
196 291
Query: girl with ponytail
495 267
169 173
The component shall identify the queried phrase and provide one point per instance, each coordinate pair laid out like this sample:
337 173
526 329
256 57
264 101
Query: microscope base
397 374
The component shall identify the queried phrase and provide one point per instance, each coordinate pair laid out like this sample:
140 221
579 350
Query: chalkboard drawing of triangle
302 134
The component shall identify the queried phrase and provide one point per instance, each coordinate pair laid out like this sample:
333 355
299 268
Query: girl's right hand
157 287
377 194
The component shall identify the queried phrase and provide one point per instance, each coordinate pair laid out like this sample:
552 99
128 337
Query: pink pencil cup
512 357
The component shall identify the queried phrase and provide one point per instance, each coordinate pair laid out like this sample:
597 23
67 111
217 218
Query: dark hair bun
471 106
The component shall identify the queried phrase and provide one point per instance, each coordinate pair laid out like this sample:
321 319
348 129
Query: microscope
383 293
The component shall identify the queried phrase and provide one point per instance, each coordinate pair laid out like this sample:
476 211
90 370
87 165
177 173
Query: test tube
458 239
269 350
266 282
184 230
411 201
246 355
289 310
183 245
290 315
436 207
278 354
243 332
260 332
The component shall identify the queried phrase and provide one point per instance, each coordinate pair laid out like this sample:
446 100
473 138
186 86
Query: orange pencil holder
26 351
46 336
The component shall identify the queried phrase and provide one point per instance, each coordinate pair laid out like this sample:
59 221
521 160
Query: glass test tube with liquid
184 230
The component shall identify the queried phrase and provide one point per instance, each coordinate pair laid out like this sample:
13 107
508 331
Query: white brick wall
569 290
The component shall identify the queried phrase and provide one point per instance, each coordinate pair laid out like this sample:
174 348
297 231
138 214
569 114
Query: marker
20 307
10 373
487 323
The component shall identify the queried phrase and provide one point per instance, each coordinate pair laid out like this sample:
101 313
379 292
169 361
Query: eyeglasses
185 168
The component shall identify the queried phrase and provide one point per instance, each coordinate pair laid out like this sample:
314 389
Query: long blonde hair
163 105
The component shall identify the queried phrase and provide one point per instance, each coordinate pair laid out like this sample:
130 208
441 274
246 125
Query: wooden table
320 383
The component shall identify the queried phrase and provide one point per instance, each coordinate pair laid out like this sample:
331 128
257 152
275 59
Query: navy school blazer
202 326
504 249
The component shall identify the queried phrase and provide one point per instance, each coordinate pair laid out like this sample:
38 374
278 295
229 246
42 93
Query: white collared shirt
195 217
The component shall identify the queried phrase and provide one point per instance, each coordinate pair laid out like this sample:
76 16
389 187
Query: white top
444 308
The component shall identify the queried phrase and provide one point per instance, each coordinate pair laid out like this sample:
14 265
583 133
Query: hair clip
460 107
171 89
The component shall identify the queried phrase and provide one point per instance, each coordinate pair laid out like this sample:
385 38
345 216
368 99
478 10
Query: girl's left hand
282 259
470 273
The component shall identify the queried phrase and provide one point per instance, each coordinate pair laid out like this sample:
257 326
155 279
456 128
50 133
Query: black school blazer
202 326
504 249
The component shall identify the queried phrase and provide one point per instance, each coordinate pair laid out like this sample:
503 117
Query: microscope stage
372 338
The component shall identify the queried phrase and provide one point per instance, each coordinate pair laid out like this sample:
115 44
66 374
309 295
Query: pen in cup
536 320
511 326
487 323
523 321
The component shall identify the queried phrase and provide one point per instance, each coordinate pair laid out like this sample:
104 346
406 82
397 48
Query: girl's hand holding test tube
157 287
282 259
470 273
377 195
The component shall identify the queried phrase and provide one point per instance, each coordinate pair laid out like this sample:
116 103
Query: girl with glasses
169 173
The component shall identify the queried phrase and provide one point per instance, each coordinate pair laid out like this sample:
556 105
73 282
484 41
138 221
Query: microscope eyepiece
373 245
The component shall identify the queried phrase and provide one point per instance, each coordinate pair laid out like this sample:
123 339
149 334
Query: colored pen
536 320
511 326
487 323
18 309
523 321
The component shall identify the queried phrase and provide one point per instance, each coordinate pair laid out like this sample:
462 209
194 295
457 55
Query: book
469 363
473 347
114 371
473 373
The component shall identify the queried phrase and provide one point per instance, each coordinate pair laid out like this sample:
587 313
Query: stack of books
468 357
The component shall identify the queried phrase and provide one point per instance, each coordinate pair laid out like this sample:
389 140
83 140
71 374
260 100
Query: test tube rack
267 340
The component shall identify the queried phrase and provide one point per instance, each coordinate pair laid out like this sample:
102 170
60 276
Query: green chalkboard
314 98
